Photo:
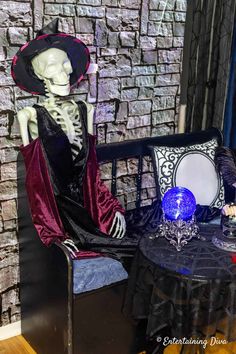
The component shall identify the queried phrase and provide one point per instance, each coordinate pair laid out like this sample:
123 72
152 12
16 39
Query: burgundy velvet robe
67 198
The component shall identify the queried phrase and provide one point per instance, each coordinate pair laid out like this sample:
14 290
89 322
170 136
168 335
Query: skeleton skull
54 68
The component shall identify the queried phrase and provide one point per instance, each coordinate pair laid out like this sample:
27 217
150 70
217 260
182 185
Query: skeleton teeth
54 83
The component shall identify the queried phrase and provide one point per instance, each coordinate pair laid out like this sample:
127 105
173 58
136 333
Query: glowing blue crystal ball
178 203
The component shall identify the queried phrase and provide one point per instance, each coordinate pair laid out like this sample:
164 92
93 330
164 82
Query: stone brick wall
138 47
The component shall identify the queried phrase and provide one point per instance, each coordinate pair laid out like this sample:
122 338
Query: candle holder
178 223
225 238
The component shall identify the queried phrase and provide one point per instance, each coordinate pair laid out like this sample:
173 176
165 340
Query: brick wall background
138 47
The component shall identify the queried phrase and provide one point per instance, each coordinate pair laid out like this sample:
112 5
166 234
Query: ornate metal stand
178 232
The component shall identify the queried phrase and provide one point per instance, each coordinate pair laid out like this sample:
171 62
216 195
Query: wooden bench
54 320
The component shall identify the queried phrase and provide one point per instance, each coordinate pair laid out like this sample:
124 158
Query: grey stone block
8 172
127 39
115 67
168 80
104 112
108 52
101 133
147 164
113 40
101 33
90 2
135 56
165 5
9 300
88 38
85 25
166 16
145 81
169 56
148 42
9 207
90 11
5 73
138 121
180 16
10 225
163 129
145 92
166 91
2 54
181 5
60 9
164 42
6 99
168 68
8 154
178 42
12 15
115 132
144 17
8 276
163 29
178 29
11 51
122 19
163 102
121 168
139 108
3 37
149 57
4 125
105 170
132 166
108 89
122 112
128 82
8 190
129 94
148 180
144 70
161 117
138 133
38 14
110 2
130 4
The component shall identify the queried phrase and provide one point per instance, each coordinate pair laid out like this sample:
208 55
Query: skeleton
54 68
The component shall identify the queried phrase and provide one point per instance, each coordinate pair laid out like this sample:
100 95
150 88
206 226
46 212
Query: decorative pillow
191 167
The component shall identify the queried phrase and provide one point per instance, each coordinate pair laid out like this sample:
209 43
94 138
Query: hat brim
22 71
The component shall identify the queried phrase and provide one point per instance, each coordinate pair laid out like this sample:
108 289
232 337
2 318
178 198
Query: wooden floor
212 348
15 345
18 345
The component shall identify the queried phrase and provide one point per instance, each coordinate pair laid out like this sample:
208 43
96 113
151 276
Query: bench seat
95 273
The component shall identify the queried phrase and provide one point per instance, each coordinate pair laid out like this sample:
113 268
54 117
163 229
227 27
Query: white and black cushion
191 167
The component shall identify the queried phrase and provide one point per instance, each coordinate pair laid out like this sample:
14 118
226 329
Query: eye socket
50 70
67 66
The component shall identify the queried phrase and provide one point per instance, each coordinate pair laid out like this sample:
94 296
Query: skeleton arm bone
25 116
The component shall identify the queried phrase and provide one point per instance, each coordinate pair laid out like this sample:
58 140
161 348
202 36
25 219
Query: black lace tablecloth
192 292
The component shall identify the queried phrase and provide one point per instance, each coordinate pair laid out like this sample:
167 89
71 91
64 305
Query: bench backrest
140 148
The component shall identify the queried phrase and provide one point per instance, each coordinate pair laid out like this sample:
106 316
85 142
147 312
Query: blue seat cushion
94 273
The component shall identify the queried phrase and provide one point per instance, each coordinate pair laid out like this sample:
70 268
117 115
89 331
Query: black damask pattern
167 159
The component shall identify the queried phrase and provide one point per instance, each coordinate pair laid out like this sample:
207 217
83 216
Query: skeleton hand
118 227
229 210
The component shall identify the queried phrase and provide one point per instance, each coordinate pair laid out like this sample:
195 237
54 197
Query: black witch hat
48 37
